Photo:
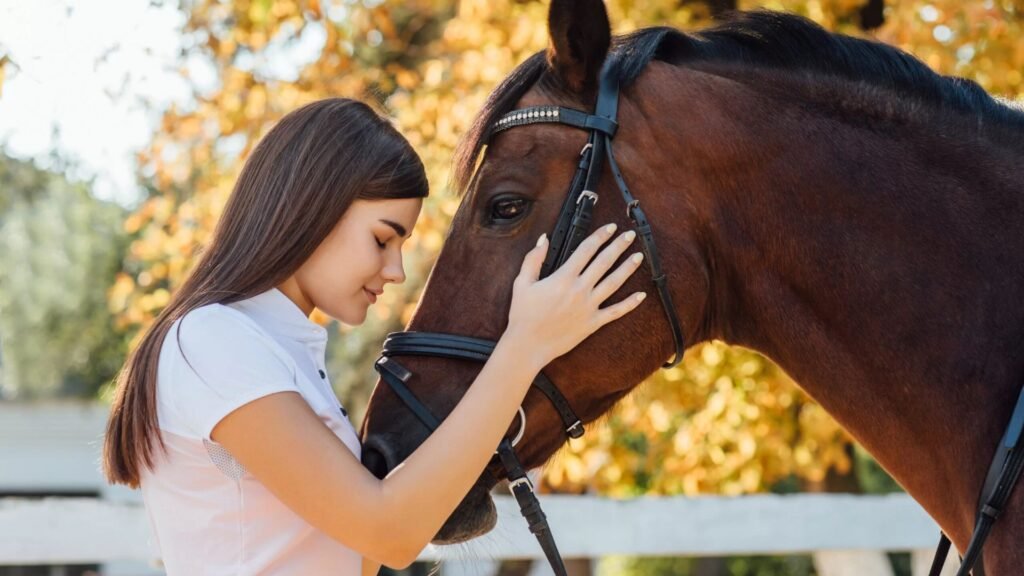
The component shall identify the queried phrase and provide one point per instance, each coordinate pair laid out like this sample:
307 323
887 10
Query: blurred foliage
727 422
59 250
871 478
800 565
734 566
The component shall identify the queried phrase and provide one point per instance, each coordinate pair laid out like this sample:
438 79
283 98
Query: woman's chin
351 315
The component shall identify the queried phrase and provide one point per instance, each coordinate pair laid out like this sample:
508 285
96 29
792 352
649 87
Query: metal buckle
522 428
586 147
572 430
519 482
587 193
395 369
630 207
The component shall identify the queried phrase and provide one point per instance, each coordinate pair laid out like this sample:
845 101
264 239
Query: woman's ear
580 37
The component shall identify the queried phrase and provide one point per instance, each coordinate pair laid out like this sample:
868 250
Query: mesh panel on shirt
223 460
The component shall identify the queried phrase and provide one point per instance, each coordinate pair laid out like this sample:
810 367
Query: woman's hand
552 316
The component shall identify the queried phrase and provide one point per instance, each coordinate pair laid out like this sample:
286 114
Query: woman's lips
370 296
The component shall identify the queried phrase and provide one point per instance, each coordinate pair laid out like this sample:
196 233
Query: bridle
572 226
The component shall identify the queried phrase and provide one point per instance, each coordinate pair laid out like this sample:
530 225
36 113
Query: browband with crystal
555 115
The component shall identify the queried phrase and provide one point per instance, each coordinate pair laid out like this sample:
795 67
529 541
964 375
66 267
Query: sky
86 68
94 76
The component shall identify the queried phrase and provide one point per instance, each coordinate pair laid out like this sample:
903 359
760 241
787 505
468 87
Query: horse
828 201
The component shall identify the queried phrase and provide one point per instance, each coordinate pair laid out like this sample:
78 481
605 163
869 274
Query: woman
246 461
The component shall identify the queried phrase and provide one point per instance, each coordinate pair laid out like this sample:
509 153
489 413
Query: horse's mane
758 38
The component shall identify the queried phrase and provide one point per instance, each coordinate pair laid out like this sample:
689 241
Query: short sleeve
222 363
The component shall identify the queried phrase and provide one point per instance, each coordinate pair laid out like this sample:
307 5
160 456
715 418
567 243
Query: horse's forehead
528 142
533 97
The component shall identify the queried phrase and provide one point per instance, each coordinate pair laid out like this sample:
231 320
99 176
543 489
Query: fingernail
610 229
640 296
637 258
629 236
543 239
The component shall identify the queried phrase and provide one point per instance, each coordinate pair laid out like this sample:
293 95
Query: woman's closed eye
380 244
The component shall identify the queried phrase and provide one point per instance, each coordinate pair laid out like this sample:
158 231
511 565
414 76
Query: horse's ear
580 37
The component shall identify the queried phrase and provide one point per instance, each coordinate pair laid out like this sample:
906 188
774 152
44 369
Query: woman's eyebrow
399 229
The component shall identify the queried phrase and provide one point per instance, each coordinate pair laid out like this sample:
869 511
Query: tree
59 250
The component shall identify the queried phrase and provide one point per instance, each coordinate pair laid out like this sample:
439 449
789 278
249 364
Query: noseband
573 225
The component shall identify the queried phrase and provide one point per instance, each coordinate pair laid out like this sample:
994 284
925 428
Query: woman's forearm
436 477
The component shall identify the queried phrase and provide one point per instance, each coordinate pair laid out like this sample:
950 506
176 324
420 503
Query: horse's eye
508 209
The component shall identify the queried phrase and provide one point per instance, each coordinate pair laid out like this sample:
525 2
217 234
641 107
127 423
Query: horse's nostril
375 458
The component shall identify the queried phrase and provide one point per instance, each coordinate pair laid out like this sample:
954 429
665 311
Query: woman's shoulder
221 328
214 359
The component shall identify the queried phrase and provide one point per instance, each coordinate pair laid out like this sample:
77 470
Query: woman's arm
283 443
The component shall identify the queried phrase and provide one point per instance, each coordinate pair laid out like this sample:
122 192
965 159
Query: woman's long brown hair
292 191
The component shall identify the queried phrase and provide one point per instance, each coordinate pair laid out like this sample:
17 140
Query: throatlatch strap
650 249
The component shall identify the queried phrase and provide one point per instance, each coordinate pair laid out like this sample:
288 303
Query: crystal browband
528 116
554 115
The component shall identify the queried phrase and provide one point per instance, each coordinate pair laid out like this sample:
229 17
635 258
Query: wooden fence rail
85 530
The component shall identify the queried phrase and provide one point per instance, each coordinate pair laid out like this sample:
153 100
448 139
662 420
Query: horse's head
516 194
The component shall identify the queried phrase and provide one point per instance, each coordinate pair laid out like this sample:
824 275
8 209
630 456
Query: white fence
85 531
54 448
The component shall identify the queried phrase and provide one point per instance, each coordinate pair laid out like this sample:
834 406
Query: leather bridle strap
457 347
1002 477
575 217
397 377
650 249
522 489
558 114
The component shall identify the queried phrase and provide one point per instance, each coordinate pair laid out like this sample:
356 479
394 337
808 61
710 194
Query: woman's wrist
522 348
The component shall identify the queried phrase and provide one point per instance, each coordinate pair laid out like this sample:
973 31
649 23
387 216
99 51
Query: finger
616 279
604 261
620 309
534 260
586 250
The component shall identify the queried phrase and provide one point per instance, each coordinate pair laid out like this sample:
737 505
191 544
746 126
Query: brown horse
828 201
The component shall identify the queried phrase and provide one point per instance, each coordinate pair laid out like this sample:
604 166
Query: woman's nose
394 271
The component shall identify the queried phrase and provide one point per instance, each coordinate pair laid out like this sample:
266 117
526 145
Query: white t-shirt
208 514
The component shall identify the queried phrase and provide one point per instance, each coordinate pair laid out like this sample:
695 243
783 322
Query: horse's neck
880 273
